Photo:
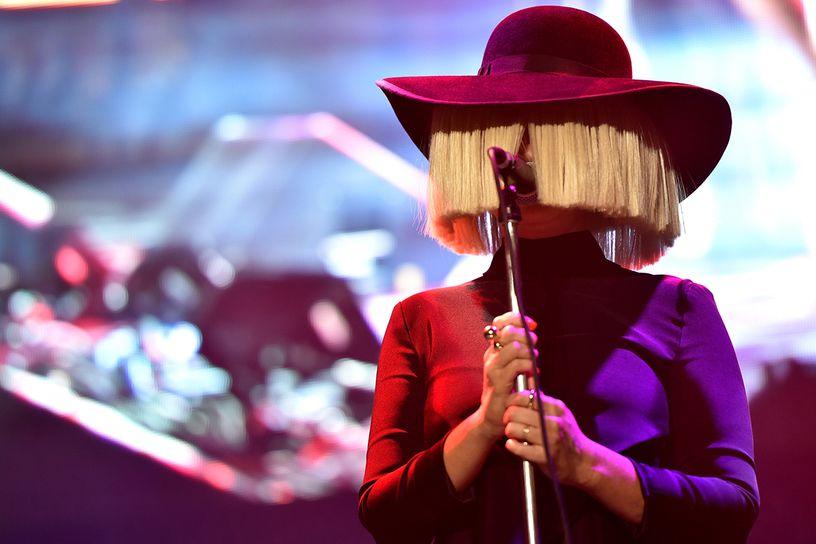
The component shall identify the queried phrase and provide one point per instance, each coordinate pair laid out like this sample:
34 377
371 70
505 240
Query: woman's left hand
573 453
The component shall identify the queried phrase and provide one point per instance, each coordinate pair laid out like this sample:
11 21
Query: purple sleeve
406 491
707 491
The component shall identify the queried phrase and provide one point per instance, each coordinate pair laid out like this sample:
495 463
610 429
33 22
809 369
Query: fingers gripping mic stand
509 217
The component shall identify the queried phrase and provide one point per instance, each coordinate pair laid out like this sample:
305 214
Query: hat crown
556 39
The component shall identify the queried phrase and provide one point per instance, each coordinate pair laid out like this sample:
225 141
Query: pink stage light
338 135
810 21
178 455
330 326
103 421
28 205
219 475
71 265
370 154
43 4
115 427
793 18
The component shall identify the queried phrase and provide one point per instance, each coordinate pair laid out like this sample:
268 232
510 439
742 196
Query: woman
647 417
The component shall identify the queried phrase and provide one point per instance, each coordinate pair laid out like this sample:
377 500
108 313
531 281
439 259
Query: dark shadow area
62 484
785 451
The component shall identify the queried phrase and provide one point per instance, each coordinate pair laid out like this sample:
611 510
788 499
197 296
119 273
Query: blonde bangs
461 188
607 160
601 157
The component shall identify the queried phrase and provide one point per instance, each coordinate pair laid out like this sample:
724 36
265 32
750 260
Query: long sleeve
708 490
406 491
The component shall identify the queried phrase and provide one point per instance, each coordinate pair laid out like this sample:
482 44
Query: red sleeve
406 492
707 491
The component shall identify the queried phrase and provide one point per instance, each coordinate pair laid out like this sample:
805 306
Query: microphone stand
509 217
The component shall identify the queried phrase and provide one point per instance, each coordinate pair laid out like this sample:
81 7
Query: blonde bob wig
603 157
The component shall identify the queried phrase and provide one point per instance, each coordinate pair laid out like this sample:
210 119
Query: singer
647 417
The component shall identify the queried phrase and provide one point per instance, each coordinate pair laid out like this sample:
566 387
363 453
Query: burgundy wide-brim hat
552 54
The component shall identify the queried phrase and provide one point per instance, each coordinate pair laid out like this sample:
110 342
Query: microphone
515 168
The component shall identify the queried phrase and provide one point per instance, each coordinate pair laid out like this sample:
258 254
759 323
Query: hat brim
695 123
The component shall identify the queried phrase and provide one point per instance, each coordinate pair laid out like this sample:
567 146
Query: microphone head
520 174
523 177
503 159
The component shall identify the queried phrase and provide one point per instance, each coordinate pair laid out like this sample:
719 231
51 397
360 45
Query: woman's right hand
469 443
501 366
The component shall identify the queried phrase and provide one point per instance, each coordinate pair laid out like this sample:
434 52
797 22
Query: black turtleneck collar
574 253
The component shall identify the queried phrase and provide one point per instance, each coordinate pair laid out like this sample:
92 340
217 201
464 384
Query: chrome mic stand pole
528 476
509 216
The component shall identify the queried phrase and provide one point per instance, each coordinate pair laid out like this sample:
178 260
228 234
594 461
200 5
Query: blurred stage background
208 211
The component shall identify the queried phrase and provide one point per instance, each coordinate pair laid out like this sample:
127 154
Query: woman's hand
501 366
574 455
470 442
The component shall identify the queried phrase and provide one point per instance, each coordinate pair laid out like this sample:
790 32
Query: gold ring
531 401
497 345
490 332
526 430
